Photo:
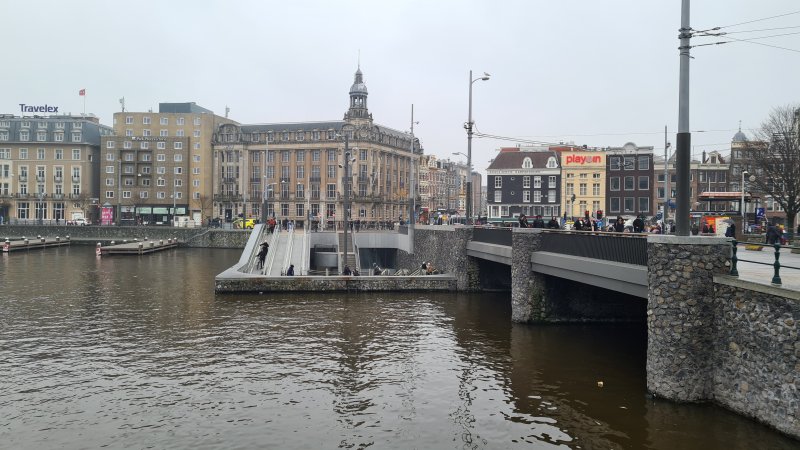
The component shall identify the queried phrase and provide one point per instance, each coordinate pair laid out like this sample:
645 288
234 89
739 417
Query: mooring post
776 279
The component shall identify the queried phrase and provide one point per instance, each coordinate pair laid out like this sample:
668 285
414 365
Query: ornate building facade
296 171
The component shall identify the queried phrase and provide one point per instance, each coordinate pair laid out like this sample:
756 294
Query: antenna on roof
227 110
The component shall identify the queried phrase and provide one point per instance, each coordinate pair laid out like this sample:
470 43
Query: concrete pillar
527 287
680 277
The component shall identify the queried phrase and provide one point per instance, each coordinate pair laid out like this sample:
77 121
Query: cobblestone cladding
527 288
446 248
310 284
679 316
187 237
757 355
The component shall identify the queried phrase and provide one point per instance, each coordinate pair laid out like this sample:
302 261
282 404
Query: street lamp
267 187
469 126
742 209
347 162
469 178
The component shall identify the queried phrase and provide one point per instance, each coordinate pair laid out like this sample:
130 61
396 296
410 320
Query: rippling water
138 352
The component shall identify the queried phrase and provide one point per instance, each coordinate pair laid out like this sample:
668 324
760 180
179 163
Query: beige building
158 166
583 174
296 171
48 167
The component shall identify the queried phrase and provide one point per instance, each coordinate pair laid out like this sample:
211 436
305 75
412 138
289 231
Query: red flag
82 92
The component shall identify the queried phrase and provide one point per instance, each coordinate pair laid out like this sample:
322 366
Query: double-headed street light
469 177
742 209
469 126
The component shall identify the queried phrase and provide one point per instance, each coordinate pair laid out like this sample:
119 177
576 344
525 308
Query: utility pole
412 181
666 177
684 140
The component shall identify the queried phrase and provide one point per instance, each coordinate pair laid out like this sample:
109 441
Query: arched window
551 163
527 163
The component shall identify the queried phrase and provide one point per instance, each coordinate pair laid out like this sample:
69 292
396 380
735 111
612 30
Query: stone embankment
90 235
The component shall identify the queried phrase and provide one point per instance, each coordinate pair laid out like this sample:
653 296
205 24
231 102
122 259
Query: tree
775 160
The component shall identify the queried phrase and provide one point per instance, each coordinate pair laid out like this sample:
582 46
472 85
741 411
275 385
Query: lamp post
345 179
469 126
741 206
267 188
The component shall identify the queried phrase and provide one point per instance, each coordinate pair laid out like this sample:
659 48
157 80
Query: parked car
79 221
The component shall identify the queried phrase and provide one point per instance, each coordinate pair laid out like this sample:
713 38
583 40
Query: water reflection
139 352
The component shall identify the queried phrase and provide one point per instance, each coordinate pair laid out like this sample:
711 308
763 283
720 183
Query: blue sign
760 212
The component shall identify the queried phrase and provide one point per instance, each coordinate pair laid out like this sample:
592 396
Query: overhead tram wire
756 20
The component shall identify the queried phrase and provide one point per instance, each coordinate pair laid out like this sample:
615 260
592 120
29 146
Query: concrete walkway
762 274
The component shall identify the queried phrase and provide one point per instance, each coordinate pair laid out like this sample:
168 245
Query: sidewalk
762 274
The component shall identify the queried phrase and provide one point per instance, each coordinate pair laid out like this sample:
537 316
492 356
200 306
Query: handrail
288 256
776 264
305 261
272 243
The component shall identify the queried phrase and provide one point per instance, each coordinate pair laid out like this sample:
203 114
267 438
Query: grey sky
594 72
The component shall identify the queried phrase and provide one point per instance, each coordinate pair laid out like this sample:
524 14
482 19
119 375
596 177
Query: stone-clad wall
756 353
528 303
187 237
680 314
312 284
446 248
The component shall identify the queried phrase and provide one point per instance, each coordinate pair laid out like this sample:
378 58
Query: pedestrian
711 228
290 272
376 270
638 224
553 224
523 221
430 270
262 254
356 273
731 231
619 225
347 271
705 228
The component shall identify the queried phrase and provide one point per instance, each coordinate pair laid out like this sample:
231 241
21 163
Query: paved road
762 274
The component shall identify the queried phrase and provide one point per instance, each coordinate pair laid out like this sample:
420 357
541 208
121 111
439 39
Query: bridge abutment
680 314
528 289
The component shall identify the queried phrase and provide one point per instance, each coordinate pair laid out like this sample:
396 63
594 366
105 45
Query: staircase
351 257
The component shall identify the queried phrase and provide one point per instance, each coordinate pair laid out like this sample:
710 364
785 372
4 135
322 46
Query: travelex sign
583 159
37 108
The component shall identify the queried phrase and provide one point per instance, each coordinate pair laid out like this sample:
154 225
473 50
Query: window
526 182
537 196
595 189
315 155
498 183
526 163
163 133
629 184
628 204
109 169
110 144
58 137
24 135
300 156
629 163
498 196
5 153
181 121
146 132
285 136
537 182
127 144
614 163
551 197
178 170
164 121
331 190
644 184
196 171
144 145
299 135
285 156
146 120
331 155
161 145
644 204
300 172
40 153
76 136
196 121
178 145
128 120
614 183
331 170
76 154
552 163
59 154
161 182
644 163
196 133
551 181
41 136
109 194
570 189
3 135
526 196
161 157
582 189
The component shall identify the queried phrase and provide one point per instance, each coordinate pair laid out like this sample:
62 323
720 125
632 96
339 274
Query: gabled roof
513 160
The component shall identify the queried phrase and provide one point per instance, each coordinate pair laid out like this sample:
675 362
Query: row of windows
163 133
128 145
628 162
147 157
526 196
147 120
41 153
41 136
41 124
146 194
629 183
583 175
583 189
145 170
41 172
627 205
526 181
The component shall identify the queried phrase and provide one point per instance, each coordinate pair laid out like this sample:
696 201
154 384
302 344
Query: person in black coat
619 225
731 230
638 225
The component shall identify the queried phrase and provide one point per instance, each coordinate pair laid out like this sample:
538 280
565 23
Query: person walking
772 234
290 272
638 224
262 254
619 225
731 230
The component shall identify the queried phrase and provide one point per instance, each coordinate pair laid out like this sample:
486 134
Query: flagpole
84 103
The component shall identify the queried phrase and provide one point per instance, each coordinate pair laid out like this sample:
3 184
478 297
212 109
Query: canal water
138 352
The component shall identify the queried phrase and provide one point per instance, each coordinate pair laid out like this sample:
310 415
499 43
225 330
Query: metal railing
627 248
776 264
492 235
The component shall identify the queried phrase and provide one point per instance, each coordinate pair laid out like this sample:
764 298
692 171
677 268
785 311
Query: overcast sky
599 73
